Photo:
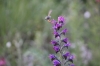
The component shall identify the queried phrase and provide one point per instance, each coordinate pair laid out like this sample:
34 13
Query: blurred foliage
22 21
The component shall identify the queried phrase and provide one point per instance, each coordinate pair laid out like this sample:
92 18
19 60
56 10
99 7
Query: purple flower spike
52 57
54 42
65 40
72 65
56 48
66 55
56 63
64 31
56 34
61 19
71 58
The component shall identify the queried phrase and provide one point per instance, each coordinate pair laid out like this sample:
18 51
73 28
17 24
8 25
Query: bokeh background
25 35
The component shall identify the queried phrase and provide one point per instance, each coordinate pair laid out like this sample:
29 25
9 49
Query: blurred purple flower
52 57
67 44
65 40
56 63
64 31
54 42
56 34
57 26
66 55
56 48
61 19
71 58
53 21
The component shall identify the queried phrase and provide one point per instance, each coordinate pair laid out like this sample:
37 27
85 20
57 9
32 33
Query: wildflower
64 31
59 43
67 44
71 58
57 26
54 42
66 55
56 63
52 57
56 34
53 21
61 19
56 48
65 40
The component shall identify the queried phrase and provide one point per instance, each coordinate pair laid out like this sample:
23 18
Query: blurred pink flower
2 62
98 1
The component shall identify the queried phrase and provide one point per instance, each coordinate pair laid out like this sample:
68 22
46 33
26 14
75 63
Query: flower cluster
60 43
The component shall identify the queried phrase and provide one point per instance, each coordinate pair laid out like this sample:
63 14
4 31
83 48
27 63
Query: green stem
61 53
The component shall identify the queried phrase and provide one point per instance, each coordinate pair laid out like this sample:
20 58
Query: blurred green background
25 35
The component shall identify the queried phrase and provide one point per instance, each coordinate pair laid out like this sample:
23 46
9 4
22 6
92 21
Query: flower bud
56 48
61 19
54 42
66 55
52 57
56 63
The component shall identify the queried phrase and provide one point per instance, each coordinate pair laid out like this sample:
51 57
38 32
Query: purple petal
67 44
61 19
56 34
66 55
52 57
56 48
57 26
71 58
65 40
64 31
53 21
54 42
56 63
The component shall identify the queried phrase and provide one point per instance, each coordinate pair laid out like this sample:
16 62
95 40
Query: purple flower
56 48
65 40
56 34
54 42
67 44
72 65
52 57
66 55
64 31
61 19
57 26
56 63
53 21
71 58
